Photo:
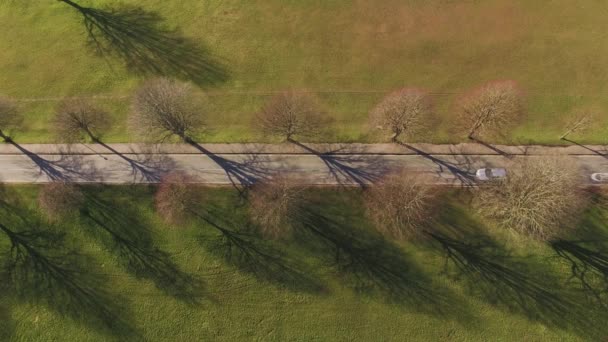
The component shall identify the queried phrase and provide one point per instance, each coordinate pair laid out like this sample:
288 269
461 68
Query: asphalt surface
344 168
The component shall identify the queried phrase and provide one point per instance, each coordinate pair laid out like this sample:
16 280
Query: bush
274 204
176 198
401 203
58 199
540 196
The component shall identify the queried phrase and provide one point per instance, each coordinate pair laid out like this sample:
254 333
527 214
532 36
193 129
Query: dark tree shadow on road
519 284
461 171
40 269
147 166
141 39
603 153
241 174
66 167
251 254
492 147
361 170
127 234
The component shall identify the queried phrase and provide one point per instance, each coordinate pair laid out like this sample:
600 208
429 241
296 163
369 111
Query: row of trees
483 112
540 197
162 108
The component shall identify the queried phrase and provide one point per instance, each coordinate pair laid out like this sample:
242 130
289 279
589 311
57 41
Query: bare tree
58 199
274 203
163 108
76 119
176 197
403 112
490 108
579 124
401 203
290 114
9 116
539 196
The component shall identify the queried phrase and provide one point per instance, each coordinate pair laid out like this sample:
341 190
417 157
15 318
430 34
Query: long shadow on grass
587 256
126 233
522 285
38 268
142 40
588 266
371 265
253 255
7 324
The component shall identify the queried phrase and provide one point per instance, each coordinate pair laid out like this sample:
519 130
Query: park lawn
374 290
349 52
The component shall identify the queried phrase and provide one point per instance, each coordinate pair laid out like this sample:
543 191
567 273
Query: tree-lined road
243 164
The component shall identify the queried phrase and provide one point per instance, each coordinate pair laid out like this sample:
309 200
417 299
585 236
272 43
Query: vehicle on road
486 174
600 177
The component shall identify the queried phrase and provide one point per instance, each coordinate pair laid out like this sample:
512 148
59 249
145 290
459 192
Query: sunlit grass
351 53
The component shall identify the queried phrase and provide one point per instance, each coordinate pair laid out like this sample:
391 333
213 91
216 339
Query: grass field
349 52
117 273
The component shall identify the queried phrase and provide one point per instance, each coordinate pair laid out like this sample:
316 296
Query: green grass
350 52
375 290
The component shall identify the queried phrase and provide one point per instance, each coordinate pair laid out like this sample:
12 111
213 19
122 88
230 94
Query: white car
599 177
490 173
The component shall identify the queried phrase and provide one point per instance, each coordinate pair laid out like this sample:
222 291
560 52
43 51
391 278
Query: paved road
116 164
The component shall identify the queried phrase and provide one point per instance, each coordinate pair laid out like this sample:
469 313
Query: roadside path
243 164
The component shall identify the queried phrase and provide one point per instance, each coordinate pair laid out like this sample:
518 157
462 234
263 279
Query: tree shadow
123 231
66 167
599 153
241 174
491 147
361 170
588 267
253 255
372 266
521 285
7 134
463 175
141 39
7 324
146 166
587 256
40 269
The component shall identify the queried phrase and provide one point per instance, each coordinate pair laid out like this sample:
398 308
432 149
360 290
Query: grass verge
114 271
350 52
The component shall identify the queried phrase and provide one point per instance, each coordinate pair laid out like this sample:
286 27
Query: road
119 165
